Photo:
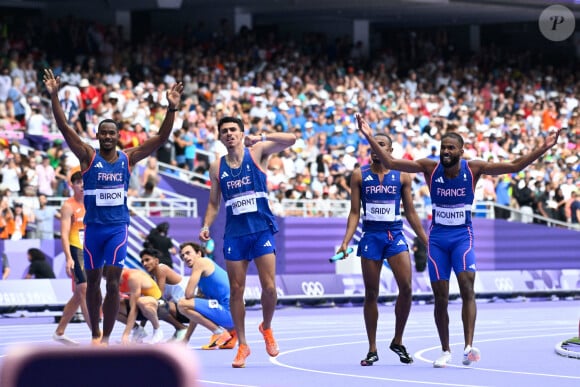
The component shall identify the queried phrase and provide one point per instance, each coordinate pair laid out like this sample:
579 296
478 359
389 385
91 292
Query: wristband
204 228
263 137
172 109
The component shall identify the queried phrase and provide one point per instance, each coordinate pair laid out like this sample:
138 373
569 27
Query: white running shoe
443 360
180 334
470 355
157 337
63 339
138 335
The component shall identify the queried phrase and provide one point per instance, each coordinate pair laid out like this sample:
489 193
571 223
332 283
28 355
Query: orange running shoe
271 346
217 340
211 344
231 343
240 359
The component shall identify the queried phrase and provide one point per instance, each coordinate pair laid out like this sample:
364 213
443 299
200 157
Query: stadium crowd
499 100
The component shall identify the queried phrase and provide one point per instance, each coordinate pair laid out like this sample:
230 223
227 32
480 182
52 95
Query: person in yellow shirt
144 295
72 231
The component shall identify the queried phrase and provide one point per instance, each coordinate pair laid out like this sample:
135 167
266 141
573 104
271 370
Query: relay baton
339 256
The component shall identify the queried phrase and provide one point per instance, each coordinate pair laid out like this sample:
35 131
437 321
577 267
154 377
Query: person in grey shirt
44 219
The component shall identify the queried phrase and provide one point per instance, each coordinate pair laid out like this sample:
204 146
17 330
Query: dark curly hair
150 251
36 254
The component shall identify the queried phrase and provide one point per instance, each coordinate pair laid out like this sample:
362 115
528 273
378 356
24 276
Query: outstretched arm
481 167
409 207
411 166
144 150
213 205
267 144
354 214
82 151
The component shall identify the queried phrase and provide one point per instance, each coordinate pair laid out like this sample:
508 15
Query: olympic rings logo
255 292
504 284
312 288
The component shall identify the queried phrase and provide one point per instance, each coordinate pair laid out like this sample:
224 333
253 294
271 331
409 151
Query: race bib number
383 212
244 204
213 304
110 197
450 216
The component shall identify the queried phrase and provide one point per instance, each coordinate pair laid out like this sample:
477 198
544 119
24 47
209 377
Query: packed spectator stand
499 100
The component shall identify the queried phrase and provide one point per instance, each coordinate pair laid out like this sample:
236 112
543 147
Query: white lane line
277 362
419 356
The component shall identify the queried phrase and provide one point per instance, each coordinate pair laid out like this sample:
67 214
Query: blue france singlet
216 286
105 193
245 194
381 200
452 198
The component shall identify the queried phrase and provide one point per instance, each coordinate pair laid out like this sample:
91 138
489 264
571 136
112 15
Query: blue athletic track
322 346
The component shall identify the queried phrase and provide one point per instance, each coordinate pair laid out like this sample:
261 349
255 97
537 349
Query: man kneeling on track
142 303
210 307
172 286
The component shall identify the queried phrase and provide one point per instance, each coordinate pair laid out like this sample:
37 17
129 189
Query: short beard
452 162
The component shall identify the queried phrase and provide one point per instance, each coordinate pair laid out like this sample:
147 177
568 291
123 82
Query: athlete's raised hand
251 139
51 82
174 95
552 137
363 126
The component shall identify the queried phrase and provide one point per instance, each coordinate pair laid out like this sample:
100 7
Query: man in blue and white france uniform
451 230
381 190
209 306
106 174
107 215
250 225
452 181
